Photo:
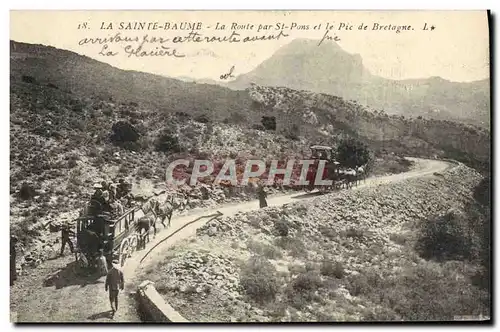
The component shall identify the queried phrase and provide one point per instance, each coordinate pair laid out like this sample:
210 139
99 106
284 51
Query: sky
456 49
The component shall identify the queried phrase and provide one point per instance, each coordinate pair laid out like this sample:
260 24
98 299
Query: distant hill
82 75
302 65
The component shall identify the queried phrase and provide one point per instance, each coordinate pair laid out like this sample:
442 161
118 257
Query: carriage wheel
124 249
134 243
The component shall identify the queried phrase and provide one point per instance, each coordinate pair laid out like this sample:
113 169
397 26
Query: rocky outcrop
201 273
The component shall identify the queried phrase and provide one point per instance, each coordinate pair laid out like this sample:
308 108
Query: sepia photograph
266 166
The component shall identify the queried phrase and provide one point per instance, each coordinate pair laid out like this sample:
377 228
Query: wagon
318 153
117 237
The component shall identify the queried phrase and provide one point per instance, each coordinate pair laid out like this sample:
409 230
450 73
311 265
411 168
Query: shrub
405 162
355 233
72 161
259 280
145 172
398 238
183 116
296 269
28 79
202 119
77 106
328 232
26 192
427 293
293 132
352 153
281 227
124 132
301 290
294 246
358 285
168 142
264 249
310 266
331 269
308 281
445 237
269 122
482 192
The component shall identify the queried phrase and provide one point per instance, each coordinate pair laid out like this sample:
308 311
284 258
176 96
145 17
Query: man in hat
104 185
114 283
123 188
13 272
98 198
106 206
124 191
66 232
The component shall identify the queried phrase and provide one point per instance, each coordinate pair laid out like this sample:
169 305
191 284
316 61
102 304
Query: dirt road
69 298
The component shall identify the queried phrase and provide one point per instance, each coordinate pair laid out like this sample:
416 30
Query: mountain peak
304 65
328 68
309 45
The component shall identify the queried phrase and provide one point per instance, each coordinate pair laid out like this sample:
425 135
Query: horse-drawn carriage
116 237
333 170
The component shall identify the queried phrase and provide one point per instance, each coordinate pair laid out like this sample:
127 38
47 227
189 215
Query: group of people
111 197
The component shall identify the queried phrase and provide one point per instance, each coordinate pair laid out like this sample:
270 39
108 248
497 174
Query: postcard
250 166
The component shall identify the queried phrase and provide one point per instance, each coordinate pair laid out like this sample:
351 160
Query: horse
360 170
147 221
349 176
352 177
166 210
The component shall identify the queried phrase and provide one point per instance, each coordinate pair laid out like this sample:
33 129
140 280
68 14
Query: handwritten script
151 46
228 75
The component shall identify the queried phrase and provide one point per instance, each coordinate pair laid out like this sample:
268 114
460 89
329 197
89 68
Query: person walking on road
114 283
66 232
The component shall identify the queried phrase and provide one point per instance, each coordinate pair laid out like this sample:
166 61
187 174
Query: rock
258 311
212 231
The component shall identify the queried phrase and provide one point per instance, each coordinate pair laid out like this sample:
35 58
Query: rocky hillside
74 121
50 71
328 117
83 76
303 65
348 256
